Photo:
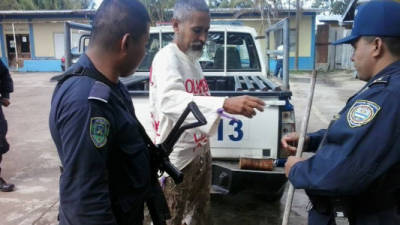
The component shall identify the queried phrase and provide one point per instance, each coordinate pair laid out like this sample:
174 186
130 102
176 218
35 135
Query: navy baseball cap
375 18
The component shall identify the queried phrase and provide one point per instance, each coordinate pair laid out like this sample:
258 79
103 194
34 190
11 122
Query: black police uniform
356 168
106 165
6 87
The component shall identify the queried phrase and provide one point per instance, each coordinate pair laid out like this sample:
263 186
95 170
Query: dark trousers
132 216
279 68
4 146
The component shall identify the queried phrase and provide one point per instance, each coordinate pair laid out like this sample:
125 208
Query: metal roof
235 10
89 13
23 14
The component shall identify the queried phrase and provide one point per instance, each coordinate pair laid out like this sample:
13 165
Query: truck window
152 47
167 38
241 52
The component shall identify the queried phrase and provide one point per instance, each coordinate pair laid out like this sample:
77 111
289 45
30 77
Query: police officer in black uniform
354 177
105 175
6 87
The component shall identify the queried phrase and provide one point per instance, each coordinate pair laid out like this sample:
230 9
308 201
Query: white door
59 45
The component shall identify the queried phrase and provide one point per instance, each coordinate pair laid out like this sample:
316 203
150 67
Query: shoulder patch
361 113
99 129
100 92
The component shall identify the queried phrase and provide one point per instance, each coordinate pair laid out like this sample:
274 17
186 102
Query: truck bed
219 86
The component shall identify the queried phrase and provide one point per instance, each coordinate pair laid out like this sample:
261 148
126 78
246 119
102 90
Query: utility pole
298 17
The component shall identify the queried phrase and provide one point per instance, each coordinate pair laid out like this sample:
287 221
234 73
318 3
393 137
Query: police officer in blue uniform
6 87
105 175
354 175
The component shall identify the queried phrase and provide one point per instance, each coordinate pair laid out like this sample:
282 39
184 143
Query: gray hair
184 8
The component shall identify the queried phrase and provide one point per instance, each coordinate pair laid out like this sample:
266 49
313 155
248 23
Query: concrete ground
32 163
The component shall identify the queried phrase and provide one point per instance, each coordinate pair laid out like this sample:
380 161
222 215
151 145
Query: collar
386 72
86 67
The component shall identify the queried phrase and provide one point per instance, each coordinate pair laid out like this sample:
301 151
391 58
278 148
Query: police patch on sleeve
361 113
99 129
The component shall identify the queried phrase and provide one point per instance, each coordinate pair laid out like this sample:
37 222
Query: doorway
23 49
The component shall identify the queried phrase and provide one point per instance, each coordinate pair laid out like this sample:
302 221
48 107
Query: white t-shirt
176 80
280 48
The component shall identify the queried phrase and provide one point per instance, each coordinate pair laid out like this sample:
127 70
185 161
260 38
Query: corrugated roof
11 14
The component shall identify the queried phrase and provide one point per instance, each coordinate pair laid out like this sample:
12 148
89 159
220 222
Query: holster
332 205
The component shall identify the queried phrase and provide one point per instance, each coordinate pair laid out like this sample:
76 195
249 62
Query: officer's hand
290 162
243 105
289 142
5 101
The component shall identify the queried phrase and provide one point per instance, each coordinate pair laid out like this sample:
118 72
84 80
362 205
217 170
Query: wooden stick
303 131
256 164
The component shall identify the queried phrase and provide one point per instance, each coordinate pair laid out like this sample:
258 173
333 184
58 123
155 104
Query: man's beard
194 54
195 51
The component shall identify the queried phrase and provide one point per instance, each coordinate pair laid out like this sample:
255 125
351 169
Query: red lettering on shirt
205 88
197 87
156 124
189 85
200 141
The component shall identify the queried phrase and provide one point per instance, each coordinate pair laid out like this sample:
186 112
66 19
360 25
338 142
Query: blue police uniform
358 156
6 87
106 164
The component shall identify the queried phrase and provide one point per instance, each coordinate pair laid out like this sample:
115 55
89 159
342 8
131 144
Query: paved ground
32 163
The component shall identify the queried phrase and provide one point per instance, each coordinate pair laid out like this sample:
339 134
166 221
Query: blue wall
305 63
41 65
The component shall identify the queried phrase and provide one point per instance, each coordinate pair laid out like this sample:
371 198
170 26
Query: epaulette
382 80
100 92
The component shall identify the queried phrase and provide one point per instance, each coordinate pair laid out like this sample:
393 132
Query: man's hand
5 101
243 105
290 162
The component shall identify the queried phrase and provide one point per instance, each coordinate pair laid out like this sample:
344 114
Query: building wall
2 45
44 38
42 41
306 45
1 41
305 35
20 26
307 41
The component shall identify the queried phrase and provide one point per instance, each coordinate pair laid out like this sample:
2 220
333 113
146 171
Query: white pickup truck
233 64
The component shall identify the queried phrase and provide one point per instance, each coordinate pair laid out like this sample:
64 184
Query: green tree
334 7
157 9
8 4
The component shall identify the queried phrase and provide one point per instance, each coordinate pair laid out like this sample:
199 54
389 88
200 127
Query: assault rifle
156 203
